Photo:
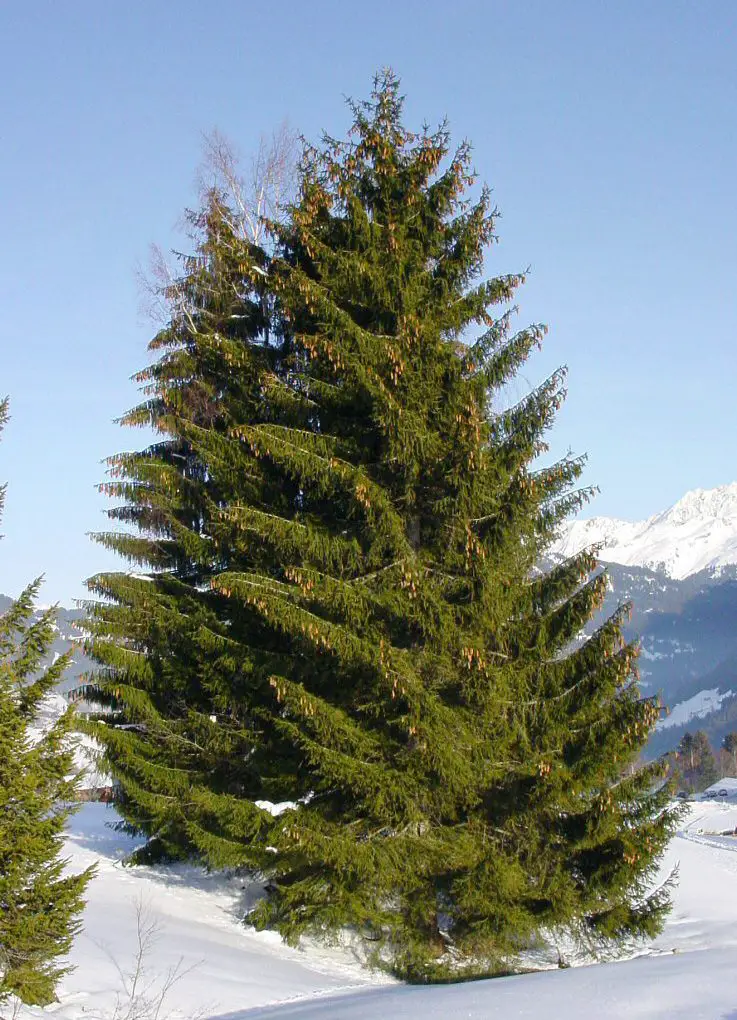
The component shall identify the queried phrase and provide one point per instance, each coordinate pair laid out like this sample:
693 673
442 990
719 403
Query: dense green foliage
39 907
693 765
340 528
729 744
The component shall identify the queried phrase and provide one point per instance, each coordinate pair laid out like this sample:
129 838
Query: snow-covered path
238 974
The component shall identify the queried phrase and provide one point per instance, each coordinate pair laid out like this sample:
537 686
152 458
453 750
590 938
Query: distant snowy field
229 972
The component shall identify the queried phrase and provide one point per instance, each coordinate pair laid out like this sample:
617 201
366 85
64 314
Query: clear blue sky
607 131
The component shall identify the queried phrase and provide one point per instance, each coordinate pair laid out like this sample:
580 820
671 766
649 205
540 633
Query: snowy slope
52 707
699 532
673 988
240 975
225 966
696 707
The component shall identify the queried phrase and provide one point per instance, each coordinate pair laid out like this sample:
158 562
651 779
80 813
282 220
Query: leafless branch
254 196
260 192
142 994
156 286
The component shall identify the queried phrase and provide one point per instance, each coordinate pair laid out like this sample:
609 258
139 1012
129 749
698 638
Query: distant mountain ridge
697 533
66 633
679 570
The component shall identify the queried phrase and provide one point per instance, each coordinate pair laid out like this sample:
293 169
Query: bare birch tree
259 193
254 193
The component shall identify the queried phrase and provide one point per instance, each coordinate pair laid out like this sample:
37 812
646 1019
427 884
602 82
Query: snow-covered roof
722 784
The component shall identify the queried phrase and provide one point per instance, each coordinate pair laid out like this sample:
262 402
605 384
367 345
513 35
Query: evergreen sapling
39 903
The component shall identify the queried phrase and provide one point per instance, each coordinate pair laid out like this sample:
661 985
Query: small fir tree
706 769
365 610
729 745
39 905
687 752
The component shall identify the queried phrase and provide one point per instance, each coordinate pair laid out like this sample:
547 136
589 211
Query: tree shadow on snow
93 829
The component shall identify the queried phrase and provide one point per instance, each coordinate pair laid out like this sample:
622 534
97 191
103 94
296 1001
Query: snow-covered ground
197 917
229 972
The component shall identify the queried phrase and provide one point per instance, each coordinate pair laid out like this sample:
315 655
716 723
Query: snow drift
230 972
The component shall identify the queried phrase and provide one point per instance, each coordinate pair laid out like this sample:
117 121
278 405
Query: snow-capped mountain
678 568
697 533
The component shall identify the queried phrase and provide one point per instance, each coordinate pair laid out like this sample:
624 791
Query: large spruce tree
39 904
344 608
